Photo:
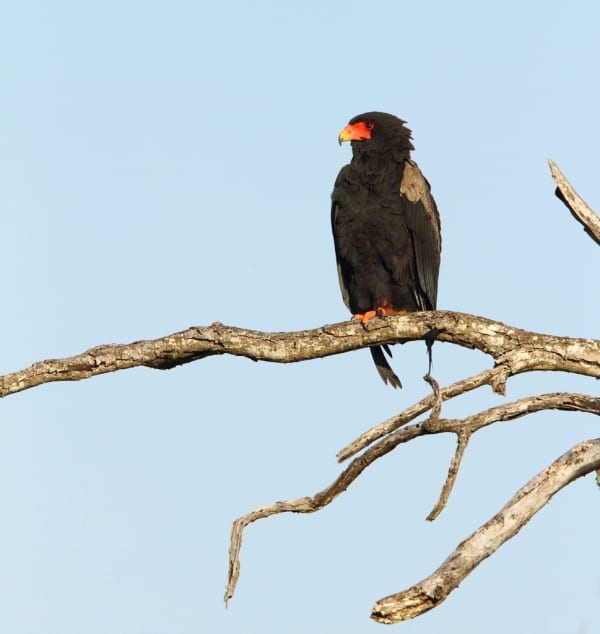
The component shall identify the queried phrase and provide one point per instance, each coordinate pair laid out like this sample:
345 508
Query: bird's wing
423 222
340 263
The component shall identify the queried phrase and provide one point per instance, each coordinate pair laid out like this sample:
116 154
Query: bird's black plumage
386 226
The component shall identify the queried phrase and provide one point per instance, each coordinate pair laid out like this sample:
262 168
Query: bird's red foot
365 317
380 311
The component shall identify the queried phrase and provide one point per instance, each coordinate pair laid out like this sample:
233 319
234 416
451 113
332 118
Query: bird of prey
386 227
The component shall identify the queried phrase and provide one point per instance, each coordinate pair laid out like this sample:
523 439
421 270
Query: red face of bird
377 133
358 131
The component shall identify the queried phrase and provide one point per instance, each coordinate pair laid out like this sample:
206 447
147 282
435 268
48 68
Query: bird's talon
365 317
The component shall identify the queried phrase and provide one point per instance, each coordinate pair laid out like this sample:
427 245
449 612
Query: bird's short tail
383 367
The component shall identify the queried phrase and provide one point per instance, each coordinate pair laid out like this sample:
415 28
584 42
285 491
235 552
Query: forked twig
494 376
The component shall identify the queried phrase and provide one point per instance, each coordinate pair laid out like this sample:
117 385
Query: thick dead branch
509 411
582 459
576 205
517 350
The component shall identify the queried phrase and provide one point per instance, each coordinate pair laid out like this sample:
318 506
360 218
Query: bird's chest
370 213
368 191
364 207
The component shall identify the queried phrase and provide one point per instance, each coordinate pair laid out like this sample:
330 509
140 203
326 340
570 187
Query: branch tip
579 209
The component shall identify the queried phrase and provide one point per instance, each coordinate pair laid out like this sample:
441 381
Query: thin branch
563 401
314 503
576 205
509 411
582 459
487 377
519 350
461 445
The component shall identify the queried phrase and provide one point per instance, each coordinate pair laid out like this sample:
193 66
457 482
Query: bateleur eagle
386 227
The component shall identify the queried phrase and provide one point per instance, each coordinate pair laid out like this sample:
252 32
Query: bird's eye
369 126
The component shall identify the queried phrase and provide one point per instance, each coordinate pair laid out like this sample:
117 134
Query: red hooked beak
360 131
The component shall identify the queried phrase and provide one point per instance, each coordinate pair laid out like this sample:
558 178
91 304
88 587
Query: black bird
386 227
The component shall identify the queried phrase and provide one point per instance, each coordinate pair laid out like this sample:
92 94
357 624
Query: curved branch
562 401
516 349
579 461
314 503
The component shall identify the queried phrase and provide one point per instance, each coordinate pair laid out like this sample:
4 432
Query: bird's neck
376 172
364 153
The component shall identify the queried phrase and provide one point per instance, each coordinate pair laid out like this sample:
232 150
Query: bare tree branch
576 205
517 350
468 426
579 461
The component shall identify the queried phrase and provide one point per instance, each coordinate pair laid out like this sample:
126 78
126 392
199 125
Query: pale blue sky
170 164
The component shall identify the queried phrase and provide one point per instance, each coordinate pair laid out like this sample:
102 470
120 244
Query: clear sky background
168 164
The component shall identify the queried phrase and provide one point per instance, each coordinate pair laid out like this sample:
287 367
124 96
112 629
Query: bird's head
376 132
